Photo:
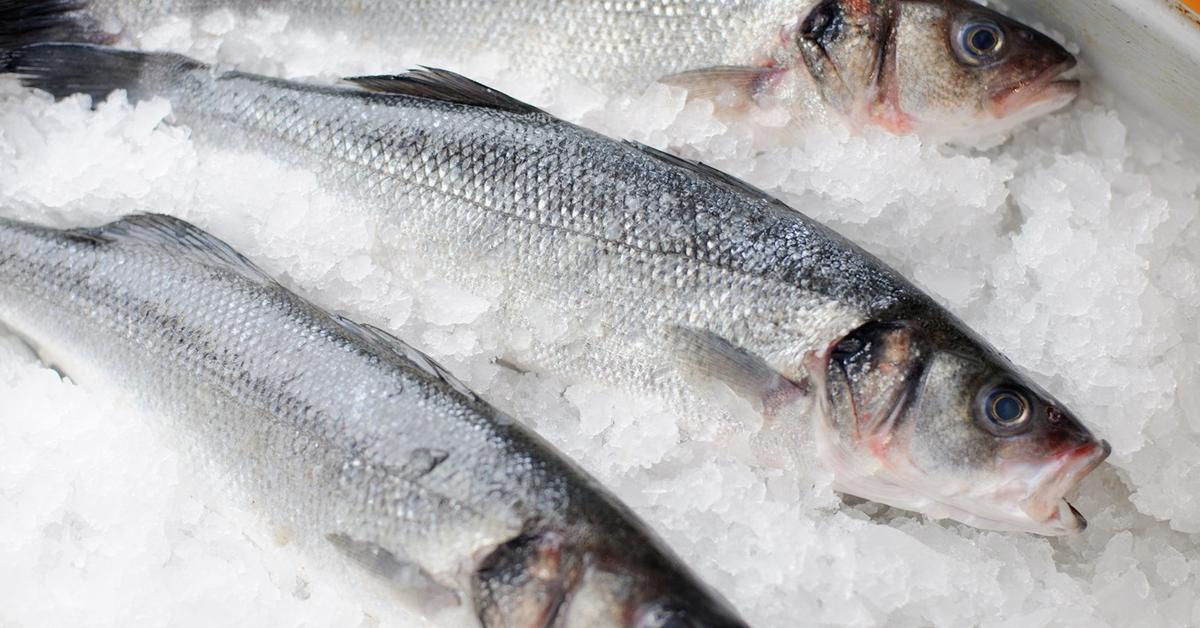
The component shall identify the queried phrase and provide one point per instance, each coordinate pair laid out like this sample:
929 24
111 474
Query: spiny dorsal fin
438 84
384 341
707 172
175 234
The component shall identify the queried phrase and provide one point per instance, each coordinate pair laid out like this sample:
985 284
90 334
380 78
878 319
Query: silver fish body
344 433
951 67
609 43
662 277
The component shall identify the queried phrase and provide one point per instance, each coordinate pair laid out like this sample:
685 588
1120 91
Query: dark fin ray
24 22
444 85
66 69
746 82
388 343
703 355
176 235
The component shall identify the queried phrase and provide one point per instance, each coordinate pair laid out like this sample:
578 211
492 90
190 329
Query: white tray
1147 50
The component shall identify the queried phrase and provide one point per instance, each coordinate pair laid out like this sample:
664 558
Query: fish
344 433
662 277
948 68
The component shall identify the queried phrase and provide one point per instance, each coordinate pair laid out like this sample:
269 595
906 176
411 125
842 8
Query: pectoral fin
745 83
406 575
704 355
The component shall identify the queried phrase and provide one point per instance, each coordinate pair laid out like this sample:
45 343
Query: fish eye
1005 410
980 41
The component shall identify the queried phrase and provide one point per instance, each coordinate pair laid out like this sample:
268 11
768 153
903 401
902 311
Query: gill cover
561 579
844 45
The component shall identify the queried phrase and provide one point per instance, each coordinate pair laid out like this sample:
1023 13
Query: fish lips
1045 92
1047 505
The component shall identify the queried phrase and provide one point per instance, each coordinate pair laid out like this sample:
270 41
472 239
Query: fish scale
898 64
441 173
661 277
342 431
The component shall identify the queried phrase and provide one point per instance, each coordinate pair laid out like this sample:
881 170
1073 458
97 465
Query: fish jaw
1047 505
879 473
1047 92
1033 500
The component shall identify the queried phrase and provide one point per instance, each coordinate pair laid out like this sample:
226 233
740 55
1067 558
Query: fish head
587 579
942 66
938 423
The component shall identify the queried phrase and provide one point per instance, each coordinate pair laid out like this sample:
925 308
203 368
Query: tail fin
24 22
65 69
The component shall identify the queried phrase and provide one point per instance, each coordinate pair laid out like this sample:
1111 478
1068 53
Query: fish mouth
1048 505
1045 92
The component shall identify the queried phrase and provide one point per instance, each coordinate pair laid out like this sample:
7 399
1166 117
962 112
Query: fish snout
1036 82
1047 505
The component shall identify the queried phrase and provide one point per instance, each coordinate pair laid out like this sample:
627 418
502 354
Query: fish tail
24 22
65 69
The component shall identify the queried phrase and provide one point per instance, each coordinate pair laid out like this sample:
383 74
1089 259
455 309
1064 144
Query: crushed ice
1072 246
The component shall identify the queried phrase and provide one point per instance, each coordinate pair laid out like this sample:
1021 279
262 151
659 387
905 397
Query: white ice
1072 245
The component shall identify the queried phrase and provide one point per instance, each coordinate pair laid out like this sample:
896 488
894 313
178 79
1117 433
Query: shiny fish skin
893 64
656 275
614 43
340 431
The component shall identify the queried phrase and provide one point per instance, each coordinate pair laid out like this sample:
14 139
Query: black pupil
1007 408
983 39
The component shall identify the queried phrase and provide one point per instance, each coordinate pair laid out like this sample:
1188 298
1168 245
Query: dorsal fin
707 172
386 342
175 234
438 84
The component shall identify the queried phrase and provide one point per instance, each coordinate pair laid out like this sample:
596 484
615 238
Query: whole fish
950 66
650 273
349 435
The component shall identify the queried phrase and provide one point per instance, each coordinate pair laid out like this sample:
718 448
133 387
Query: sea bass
946 66
657 275
346 433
